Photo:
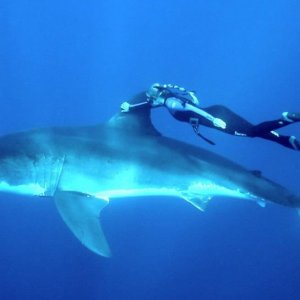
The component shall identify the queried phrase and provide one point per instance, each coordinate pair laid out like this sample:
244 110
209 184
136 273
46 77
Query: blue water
72 63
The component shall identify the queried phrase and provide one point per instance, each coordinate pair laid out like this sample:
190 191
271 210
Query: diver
184 106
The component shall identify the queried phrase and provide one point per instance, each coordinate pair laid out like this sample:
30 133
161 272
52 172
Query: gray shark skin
84 168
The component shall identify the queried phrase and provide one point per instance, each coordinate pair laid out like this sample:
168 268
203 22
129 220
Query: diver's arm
216 121
173 104
126 106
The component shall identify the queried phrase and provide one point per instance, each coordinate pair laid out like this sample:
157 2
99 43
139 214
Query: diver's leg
291 117
284 140
239 126
266 130
287 119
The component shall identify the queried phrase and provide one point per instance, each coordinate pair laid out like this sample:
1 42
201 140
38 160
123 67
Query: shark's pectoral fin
81 213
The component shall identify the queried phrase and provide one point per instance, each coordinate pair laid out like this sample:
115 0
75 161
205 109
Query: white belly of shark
203 192
197 194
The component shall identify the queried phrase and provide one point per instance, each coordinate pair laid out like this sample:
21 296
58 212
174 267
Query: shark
85 168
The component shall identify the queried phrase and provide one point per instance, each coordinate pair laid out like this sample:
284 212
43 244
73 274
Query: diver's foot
294 143
291 117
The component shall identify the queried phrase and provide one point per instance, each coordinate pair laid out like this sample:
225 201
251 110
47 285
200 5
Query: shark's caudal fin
81 213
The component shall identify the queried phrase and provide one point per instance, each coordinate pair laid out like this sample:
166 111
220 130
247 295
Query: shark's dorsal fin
137 121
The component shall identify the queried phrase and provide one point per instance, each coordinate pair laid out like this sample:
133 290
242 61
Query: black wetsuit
236 125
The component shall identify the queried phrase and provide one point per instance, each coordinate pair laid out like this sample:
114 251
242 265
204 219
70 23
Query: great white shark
83 168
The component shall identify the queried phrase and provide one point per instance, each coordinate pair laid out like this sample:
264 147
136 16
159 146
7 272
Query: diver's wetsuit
181 106
238 126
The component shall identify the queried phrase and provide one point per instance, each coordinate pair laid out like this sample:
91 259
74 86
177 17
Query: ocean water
73 63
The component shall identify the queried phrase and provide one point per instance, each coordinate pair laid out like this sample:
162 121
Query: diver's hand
219 123
125 106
